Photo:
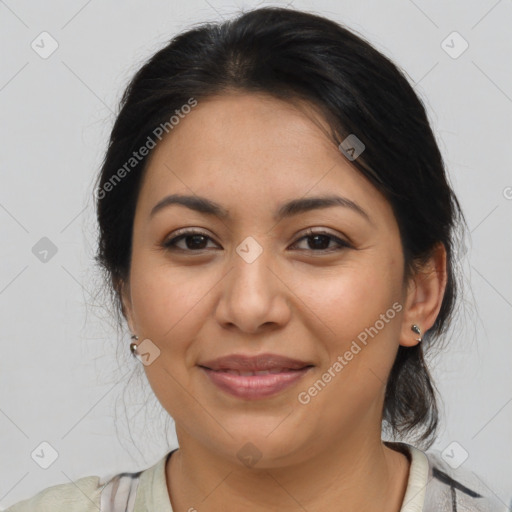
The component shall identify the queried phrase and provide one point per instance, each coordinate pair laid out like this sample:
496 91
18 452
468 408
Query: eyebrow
288 209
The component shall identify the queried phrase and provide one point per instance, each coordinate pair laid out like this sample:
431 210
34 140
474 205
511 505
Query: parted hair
295 55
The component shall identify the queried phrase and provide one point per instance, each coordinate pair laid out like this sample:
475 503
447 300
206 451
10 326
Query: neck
357 474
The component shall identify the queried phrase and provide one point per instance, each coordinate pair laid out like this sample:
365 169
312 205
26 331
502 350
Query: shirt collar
154 495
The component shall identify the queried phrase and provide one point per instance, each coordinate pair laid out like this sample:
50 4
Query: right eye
194 241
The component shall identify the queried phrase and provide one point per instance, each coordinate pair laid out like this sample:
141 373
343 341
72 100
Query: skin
250 153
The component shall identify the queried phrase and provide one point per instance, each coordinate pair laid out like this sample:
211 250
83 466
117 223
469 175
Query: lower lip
253 387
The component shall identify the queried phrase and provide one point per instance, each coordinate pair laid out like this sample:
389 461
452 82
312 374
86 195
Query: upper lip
259 362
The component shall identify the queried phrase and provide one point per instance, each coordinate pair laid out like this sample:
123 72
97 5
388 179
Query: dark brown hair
292 55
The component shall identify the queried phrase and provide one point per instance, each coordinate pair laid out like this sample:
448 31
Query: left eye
319 241
196 241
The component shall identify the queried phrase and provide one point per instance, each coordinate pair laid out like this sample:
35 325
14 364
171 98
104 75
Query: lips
254 377
259 363
256 372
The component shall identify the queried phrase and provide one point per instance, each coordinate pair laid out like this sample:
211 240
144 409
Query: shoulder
452 487
82 495
114 492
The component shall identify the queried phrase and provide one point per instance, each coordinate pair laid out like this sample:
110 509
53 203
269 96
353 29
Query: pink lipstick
254 377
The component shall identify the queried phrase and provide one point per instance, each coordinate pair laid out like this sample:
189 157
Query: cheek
351 297
165 298
360 307
166 307
359 304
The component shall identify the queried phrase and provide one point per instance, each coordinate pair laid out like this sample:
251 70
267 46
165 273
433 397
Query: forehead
253 148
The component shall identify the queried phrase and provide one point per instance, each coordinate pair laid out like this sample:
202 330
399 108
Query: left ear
425 294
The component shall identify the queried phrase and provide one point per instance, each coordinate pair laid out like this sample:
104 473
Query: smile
254 385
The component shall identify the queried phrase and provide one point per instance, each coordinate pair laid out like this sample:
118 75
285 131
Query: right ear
124 294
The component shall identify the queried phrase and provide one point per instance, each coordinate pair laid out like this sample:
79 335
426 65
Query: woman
278 230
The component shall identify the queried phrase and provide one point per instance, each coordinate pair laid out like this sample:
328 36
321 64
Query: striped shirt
433 486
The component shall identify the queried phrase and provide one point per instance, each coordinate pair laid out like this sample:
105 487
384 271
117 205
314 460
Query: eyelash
171 243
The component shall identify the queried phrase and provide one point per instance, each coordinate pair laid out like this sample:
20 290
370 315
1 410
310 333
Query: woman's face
255 282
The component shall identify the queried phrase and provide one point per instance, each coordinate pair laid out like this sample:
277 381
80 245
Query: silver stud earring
133 346
417 330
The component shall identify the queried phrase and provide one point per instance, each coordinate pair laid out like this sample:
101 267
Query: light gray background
60 378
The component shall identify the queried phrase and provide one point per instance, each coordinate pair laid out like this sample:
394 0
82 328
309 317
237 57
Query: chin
265 444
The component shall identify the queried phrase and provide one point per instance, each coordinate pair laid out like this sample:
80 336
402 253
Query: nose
254 297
